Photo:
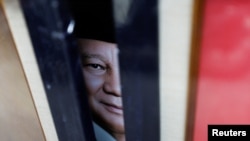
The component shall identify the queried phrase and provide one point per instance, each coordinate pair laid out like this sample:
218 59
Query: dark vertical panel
48 23
137 38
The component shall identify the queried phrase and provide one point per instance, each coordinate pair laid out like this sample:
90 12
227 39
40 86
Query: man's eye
95 69
96 66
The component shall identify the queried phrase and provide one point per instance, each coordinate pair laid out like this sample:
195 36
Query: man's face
102 80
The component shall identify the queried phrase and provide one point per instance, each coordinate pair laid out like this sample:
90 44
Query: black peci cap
93 19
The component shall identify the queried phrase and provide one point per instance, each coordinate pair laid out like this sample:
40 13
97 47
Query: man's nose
112 83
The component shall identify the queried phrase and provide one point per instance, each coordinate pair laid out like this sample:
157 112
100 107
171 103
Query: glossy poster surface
224 70
50 28
99 53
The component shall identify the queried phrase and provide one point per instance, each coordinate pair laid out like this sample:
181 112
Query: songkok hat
93 19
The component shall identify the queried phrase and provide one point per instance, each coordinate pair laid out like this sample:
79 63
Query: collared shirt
101 134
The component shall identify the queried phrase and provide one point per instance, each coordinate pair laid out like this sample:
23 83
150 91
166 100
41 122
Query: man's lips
113 108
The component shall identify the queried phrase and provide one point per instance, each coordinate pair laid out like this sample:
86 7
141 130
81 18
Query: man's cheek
93 83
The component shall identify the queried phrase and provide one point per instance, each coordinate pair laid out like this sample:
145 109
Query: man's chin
114 128
111 122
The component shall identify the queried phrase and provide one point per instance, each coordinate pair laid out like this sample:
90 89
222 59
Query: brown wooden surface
193 70
18 117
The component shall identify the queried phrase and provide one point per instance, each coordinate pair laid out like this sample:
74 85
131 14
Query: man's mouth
113 108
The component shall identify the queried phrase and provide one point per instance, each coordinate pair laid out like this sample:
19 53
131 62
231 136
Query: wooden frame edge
193 69
21 38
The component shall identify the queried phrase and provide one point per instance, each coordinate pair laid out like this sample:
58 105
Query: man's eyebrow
88 56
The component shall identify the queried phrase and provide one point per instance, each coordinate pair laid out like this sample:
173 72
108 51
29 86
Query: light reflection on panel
175 18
